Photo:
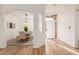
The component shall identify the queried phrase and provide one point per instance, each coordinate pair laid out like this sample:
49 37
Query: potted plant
25 28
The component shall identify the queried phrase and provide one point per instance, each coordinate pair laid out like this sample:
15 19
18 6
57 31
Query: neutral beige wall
66 18
2 31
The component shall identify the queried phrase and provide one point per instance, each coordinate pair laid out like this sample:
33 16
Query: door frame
55 19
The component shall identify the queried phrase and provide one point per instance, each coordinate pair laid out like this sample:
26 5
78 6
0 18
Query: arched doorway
15 22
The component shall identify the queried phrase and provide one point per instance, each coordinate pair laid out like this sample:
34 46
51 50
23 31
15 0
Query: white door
50 28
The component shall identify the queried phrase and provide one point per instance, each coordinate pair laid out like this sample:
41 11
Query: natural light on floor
65 48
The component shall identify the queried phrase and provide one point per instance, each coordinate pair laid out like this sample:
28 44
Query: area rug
14 42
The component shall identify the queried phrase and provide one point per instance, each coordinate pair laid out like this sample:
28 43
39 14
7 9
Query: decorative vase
25 28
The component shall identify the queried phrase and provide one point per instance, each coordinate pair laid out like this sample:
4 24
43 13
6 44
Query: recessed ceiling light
49 19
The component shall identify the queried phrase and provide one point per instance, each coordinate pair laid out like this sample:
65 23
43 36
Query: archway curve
24 10
21 14
8 18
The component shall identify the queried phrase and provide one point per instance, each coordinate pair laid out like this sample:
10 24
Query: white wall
39 31
24 20
11 33
2 31
66 18
77 30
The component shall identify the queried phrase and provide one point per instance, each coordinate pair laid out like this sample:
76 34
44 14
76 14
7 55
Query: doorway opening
51 27
19 27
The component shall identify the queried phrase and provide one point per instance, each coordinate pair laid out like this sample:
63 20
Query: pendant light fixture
54 12
25 17
55 19
25 22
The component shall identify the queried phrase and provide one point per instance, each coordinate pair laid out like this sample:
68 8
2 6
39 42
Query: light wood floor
52 47
57 47
22 50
